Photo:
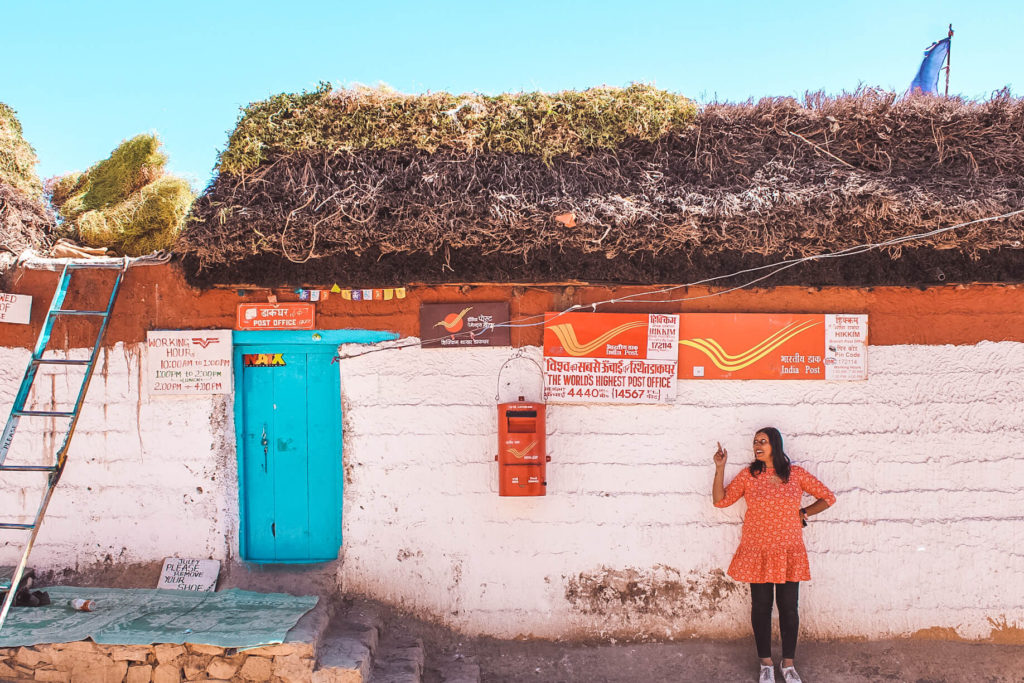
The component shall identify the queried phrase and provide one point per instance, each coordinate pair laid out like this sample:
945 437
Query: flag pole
949 50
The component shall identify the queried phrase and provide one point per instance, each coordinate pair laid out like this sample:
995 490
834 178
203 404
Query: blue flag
927 79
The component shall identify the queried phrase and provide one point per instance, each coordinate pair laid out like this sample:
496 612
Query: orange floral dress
772 543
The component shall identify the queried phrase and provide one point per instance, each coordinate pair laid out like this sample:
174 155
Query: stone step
346 651
399 660
460 671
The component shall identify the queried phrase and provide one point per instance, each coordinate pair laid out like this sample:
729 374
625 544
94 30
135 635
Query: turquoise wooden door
291 455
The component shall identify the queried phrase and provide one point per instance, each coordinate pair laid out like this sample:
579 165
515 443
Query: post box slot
522 421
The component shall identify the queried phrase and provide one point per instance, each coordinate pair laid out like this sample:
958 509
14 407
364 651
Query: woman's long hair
780 461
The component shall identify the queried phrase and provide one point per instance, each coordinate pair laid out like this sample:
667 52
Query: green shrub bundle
534 123
125 201
17 158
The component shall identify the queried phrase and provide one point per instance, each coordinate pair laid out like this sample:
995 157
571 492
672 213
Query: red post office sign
286 316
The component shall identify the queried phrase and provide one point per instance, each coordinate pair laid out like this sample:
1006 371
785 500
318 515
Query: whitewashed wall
146 478
924 457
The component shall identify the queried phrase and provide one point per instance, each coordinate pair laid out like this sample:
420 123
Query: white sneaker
767 674
789 674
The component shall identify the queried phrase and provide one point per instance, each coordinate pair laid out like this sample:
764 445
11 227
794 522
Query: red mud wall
157 297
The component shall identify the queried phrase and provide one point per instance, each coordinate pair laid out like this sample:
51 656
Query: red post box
522 469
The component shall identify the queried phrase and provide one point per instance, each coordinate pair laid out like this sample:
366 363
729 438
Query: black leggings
786 597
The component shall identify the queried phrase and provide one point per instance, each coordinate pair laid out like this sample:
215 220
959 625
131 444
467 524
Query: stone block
194 666
139 674
256 669
293 669
75 646
337 676
167 673
31 657
218 668
200 649
284 650
168 653
128 653
52 675
6 671
99 670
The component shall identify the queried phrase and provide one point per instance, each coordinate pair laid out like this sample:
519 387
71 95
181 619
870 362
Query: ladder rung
16 527
70 311
27 468
57 361
79 266
43 413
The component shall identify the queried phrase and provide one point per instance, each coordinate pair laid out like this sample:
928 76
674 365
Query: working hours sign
610 357
188 362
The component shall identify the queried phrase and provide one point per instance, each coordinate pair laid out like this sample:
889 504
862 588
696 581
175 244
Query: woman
771 556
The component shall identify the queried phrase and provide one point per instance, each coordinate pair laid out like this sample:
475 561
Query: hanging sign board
452 326
287 316
610 357
188 362
15 308
183 574
773 346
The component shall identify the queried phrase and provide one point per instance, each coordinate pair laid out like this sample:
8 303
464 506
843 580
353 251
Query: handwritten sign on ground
15 308
183 574
188 362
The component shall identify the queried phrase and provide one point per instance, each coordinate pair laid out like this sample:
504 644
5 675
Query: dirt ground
905 661
519 661
818 662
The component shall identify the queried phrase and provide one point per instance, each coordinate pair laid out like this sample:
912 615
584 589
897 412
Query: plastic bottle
80 605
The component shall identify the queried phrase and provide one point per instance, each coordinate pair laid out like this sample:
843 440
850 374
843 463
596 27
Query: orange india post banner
610 357
773 346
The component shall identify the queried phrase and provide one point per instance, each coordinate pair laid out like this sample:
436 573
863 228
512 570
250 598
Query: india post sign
610 357
773 346
285 316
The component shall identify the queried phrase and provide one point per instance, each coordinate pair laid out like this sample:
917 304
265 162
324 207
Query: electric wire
773 268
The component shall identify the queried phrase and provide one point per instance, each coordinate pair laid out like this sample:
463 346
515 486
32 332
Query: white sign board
846 347
188 362
611 358
15 308
602 380
183 574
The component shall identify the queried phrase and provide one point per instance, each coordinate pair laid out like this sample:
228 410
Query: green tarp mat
141 616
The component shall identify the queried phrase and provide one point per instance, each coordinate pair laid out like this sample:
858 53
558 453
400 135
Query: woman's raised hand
721 455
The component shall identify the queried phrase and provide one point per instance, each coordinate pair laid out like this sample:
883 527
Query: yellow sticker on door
263 360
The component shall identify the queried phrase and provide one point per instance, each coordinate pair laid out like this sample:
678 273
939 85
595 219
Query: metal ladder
18 411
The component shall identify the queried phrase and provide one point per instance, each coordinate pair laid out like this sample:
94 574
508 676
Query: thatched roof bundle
24 221
368 187
124 201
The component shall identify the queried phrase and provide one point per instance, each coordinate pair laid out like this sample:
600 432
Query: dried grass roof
24 220
301 198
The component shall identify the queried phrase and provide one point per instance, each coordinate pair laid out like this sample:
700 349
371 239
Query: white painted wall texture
924 457
146 478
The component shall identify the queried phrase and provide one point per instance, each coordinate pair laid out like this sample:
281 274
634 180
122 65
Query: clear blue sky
85 75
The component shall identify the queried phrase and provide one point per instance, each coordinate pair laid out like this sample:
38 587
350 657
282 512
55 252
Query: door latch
264 443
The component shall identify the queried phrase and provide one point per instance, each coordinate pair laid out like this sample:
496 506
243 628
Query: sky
85 75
